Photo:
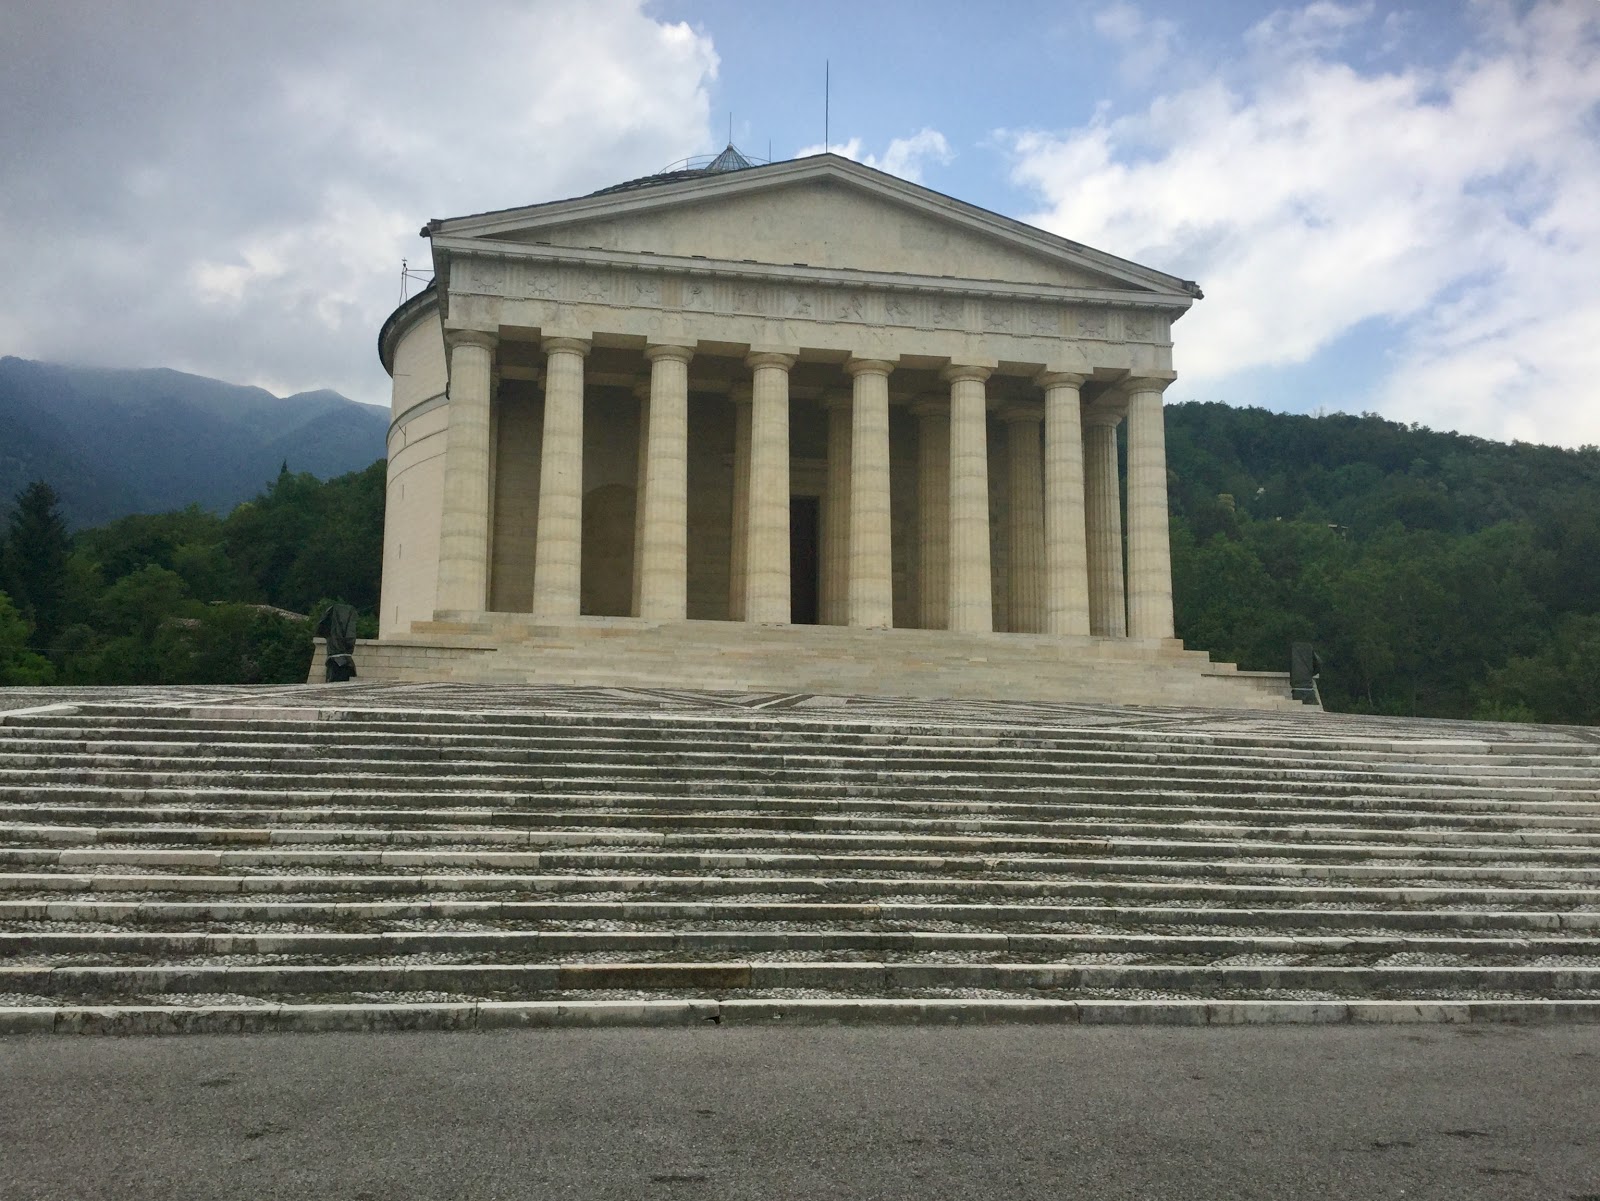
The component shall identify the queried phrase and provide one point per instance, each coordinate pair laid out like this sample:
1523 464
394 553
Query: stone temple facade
801 426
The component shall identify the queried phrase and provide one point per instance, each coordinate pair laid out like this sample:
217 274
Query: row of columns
1066 569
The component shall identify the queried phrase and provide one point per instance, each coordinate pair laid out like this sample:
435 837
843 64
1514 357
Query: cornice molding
470 250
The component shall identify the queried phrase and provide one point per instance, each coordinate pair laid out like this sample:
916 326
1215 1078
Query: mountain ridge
114 441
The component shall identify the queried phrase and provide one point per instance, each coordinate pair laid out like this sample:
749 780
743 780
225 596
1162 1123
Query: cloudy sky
1392 207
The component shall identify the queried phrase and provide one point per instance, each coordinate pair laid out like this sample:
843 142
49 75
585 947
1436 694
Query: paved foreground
1008 1112
443 855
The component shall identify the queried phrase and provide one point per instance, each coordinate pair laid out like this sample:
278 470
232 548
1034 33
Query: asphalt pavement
846 1113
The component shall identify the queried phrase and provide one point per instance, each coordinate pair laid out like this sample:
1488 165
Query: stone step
1038 802
838 739
508 822
640 850
1383 890
474 709
1217 842
276 914
37 947
24 762
528 980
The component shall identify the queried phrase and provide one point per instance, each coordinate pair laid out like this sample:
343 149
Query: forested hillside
1436 574
112 441
188 597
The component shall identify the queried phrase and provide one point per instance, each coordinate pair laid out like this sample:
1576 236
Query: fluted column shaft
933 511
641 393
463 579
971 595
1025 520
1149 549
663 584
1065 537
767 539
1103 522
836 514
558 541
740 399
871 572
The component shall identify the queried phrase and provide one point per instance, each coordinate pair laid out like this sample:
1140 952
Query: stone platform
449 855
509 648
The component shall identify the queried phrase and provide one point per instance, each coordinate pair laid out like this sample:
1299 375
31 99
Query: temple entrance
805 563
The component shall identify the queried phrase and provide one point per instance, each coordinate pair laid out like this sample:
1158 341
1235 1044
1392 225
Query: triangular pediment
823 212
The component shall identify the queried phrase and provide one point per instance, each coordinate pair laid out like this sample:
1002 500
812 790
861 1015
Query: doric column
663 584
558 543
1025 520
836 514
767 540
1149 550
1103 524
1065 549
871 571
739 398
463 581
933 510
641 393
971 595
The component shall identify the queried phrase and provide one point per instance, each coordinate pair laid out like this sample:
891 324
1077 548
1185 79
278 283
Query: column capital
1060 379
957 372
641 390
577 346
673 353
930 404
836 399
470 337
855 367
1100 415
770 358
1147 382
1014 413
741 394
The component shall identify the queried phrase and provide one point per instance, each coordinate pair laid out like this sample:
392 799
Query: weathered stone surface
373 856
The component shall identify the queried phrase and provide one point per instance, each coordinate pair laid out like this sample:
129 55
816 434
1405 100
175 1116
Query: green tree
1558 683
305 540
36 552
18 664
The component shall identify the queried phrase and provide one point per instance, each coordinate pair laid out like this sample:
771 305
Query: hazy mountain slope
113 442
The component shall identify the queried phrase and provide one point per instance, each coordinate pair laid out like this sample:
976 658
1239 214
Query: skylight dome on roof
729 160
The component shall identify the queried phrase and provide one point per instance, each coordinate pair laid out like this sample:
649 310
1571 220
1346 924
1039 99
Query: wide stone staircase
451 856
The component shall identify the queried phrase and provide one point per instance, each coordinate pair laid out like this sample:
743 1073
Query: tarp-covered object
338 626
1304 667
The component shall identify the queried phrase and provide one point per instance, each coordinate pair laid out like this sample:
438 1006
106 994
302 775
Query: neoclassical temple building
791 427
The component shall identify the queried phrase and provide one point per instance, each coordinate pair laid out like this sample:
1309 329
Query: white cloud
1146 42
905 157
1307 196
229 188
1318 27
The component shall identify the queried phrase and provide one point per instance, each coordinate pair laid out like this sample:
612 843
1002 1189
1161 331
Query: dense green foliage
1437 574
188 597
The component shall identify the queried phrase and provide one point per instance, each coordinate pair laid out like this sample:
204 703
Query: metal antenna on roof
730 129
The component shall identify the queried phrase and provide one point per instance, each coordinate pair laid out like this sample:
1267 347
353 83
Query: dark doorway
805 523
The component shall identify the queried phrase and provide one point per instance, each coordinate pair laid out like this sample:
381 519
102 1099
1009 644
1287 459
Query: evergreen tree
37 546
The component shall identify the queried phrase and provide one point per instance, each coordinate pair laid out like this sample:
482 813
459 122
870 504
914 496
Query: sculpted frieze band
619 287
